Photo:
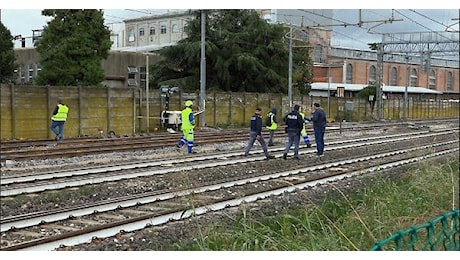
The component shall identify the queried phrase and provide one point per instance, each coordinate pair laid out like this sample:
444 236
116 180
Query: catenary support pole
290 70
203 70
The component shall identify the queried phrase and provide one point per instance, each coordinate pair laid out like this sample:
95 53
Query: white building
149 33
156 31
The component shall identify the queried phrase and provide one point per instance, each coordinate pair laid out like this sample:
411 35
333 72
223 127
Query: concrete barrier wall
26 109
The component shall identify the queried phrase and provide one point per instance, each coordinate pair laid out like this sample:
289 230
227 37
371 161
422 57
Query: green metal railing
440 234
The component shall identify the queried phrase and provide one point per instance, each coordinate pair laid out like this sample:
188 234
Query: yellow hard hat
188 103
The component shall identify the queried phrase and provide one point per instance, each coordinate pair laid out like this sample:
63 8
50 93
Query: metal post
378 87
203 70
290 70
340 95
328 89
147 91
406 104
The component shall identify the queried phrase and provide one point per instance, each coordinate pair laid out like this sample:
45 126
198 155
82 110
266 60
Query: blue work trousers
57 127
319 139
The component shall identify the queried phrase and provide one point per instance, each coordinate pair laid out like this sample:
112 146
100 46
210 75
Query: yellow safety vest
274 125
303 119
61 114
186 124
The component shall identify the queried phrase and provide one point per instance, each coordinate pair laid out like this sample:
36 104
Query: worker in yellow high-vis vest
271 125
58 120
303 133
188 124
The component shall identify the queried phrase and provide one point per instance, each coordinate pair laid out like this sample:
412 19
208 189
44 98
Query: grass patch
344 221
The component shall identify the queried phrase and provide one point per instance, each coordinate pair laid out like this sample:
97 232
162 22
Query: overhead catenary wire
429 18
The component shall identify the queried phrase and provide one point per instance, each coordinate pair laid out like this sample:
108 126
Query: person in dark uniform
318 117
294 125
256 134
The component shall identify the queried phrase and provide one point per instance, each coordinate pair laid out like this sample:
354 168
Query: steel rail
59 180
26 177
23 150
129 225
129 201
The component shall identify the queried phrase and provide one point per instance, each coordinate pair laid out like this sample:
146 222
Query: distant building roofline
146 48
358 87
156 16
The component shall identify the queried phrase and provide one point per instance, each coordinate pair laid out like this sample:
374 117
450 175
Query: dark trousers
293 139
270 141
252 139
319 139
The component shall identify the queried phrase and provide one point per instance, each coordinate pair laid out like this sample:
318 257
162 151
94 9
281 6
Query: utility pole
290 70
406 95
328 90
303 37
379 91
203 69
147 92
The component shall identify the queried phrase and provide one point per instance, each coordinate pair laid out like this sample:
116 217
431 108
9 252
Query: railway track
209 183
47 149
36 182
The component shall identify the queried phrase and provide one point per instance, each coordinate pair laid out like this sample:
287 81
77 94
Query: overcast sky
347 33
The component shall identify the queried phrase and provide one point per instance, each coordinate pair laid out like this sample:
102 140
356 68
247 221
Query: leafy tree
243 53
368 91
72 47
302 75
7 65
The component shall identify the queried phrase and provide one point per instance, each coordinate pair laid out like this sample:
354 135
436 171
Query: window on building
152 30
413 78
143 75
319 53
131 36
23 73
449 81
175 28
39 67
349 76
394 77
163 29
31 72
132 76
372 75
141 32
432 80
132 69
357 54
